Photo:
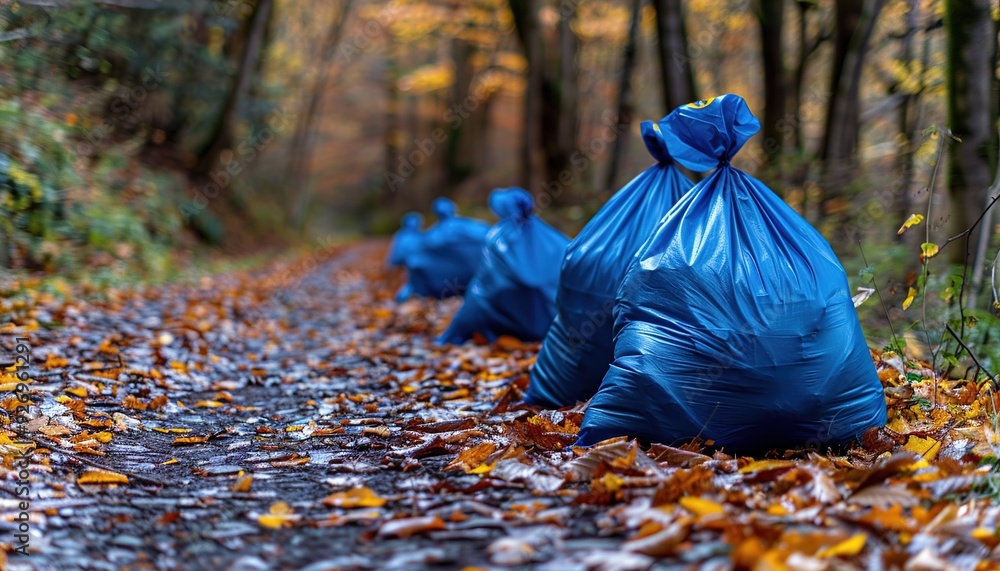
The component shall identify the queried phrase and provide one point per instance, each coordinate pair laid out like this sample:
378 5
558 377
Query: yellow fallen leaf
77 391
103 437
169 462
777 509
279 515
209 404
762 465
102 477
699 506
913 220
294 428
926 447
912 293
847 548
172 430
273 521
185 440
484 468
242 483
609 483
360 497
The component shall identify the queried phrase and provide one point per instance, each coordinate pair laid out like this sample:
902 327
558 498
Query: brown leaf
473 457
883 496
189 440
361 497
660 544
407 527
885 468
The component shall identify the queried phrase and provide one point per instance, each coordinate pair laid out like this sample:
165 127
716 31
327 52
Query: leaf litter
305 420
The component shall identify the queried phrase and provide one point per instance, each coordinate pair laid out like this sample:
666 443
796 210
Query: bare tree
301 156
248 44
675 65
626 105
972 109
771 17
855 24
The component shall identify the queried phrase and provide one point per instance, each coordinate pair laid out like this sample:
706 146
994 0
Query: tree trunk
302 141
855 23
675 65
906 120
771 15
528 30
561 102
551 100
626 106
249 43
971 112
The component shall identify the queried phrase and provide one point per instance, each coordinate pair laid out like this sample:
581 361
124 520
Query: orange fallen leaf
242 483
279 515
100 477
361 497
407 527
188 440
472 458
700 506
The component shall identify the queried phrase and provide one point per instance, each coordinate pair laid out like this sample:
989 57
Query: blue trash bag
404 242
734 322
514 289
577 349
448 255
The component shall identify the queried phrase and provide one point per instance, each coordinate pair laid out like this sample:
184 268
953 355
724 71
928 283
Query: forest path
297 418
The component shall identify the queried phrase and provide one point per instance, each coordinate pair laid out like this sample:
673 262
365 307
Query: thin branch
973 227
895 339
993 378
993 283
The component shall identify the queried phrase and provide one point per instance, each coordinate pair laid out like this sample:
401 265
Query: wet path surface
298 418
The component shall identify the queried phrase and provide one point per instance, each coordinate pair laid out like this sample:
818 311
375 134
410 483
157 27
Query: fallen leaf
242 483
925 447
847 548
700 506
660 544
472 458
102 477
361 497
407 527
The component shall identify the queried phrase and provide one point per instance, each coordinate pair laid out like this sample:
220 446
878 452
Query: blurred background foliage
135 135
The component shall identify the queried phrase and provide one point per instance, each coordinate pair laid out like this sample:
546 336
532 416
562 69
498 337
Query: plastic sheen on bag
514 290
577 349
449 253
734 322
405 241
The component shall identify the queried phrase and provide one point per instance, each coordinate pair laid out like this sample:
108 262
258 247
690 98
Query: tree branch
993 379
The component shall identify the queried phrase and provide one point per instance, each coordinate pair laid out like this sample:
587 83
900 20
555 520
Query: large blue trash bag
734 322
405 241
514 289
577 350
448 255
